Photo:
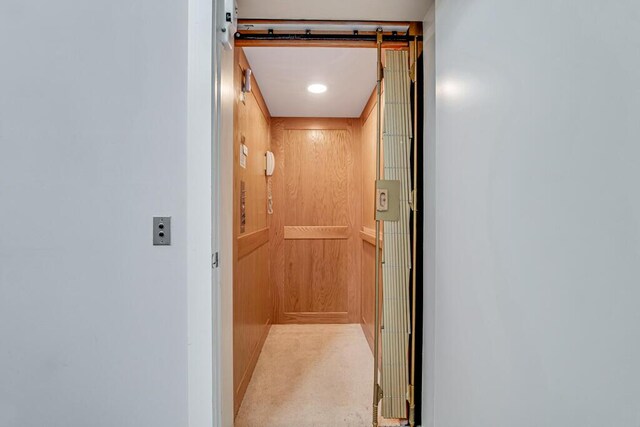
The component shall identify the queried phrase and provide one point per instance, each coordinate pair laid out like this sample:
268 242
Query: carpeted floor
311 376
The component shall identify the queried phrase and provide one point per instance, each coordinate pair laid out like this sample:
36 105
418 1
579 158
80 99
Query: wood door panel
316 243
316 276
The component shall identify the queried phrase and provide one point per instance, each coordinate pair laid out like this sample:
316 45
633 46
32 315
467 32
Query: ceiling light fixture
317 88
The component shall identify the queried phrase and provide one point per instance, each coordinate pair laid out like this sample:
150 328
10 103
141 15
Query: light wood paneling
251 125
368 289
252 293
306 232
252 316
367 233
317 276
276 225
317 172
316 270
369 131
248 243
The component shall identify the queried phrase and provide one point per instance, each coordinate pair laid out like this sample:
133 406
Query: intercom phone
270 163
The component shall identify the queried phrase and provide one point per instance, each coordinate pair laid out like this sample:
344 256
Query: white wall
538 214
429 239
93 144
225 312
202 156
372 10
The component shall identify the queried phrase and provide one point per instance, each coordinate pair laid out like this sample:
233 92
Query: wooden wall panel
368 290
252 292
251 316
367 232
276 224
369 131
253 127
315 250
317 276
317 172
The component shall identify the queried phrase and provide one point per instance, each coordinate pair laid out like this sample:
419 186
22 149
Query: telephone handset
270 164
269 168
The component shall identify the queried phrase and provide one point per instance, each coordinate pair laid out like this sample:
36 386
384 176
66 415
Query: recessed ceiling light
317 88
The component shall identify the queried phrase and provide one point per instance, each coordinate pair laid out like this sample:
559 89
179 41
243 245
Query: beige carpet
310 376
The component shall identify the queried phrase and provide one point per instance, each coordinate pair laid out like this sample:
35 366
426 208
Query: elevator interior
306 142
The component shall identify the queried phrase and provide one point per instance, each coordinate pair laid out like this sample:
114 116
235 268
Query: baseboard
248 373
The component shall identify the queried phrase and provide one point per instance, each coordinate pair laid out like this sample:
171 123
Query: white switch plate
387 200
382 200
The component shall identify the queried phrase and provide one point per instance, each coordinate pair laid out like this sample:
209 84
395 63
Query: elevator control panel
243 206
161 230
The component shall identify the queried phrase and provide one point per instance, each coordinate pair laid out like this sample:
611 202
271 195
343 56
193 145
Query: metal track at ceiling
291 27
351 33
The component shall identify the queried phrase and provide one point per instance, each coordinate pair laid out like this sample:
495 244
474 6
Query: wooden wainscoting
315 245
368 248
252 292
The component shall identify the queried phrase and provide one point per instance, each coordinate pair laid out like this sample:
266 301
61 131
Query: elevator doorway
305 241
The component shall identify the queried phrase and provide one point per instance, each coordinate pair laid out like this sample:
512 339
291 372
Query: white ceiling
283 74
380 10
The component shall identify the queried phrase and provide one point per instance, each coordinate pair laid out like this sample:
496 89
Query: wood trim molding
252 241
246 376
370 105
310 123
310 232
368 235
366 329
314 317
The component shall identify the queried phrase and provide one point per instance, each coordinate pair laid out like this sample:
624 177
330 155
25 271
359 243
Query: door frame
222 221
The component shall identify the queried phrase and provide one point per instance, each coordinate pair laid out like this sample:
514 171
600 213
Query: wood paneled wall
252 295
315 242
367 234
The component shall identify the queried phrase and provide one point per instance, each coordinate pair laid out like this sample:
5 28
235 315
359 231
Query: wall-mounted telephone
269 167
270 163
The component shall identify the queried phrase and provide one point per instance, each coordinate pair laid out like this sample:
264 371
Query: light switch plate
382 200
161 230
387 200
